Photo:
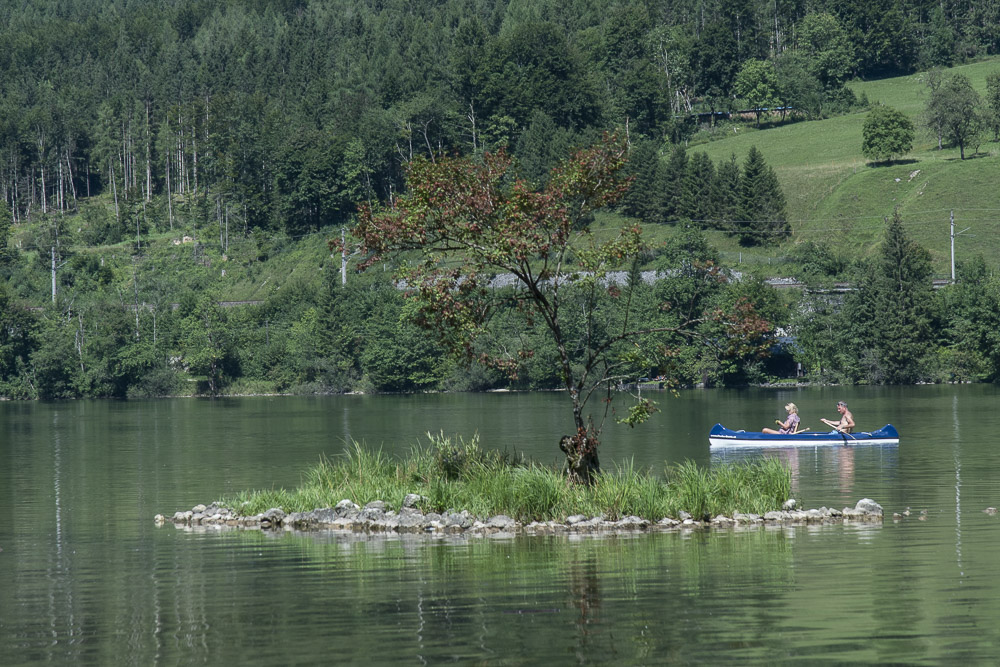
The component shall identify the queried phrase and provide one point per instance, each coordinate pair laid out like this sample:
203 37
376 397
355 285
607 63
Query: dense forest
248 128
284 114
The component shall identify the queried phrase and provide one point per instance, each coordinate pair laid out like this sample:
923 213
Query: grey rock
377 519
323 516
347 508
372 513
631 522
409 518
457 521
413 499
501 522
387 524
868 506
275 514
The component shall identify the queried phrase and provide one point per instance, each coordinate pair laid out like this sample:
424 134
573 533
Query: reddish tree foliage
463 220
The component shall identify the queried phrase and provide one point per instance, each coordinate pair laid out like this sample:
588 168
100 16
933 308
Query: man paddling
846 423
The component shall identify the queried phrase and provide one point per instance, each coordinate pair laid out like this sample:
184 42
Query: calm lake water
89 580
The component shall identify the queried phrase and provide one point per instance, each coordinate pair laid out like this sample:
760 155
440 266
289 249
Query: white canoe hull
720 437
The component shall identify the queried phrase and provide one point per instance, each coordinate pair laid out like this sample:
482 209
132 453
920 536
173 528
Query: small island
367 491
376 517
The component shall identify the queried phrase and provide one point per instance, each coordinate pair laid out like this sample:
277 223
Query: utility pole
343 259
953 235
54 267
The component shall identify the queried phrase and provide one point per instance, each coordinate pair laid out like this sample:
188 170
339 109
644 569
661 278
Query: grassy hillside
253 268
836 197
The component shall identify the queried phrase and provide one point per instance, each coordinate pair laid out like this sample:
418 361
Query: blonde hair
791 407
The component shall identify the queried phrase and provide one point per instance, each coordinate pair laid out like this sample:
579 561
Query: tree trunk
582 463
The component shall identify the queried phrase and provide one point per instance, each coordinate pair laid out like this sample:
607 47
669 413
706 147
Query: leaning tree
473 242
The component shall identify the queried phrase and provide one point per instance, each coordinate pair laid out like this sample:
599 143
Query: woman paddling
790 424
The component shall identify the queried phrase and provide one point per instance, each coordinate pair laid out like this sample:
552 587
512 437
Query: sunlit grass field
836 198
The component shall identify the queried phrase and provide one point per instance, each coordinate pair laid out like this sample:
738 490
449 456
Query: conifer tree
672 183
762 204
644 198
698 202
726 194
887 319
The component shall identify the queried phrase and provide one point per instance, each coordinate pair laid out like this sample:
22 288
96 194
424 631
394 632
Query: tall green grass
456 474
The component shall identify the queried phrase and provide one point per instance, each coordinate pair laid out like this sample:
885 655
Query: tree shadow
893 163
968 156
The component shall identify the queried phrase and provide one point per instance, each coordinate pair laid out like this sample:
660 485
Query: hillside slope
836 197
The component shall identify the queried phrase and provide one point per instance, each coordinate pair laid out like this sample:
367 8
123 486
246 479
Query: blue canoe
720 436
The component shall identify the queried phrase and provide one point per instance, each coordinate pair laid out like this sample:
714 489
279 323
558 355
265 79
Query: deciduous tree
993 103
887 133
462 222
757 83
955 109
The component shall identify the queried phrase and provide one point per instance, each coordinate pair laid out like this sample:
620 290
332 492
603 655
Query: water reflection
845 473
90 580
956 449
585 596
826 475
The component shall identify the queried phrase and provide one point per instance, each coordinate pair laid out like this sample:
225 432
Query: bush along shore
366 491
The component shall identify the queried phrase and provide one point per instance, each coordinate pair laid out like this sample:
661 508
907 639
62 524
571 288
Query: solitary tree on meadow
887 133
955 110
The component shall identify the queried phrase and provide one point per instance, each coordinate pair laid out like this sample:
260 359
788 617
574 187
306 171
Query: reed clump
454 474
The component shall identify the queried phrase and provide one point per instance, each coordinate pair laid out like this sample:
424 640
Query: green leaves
887 133
757 83
955 111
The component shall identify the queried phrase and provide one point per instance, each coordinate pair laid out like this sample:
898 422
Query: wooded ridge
161 158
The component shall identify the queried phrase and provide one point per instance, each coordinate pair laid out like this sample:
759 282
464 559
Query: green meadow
836 198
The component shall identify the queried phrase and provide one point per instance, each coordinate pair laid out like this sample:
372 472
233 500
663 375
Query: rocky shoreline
376 517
